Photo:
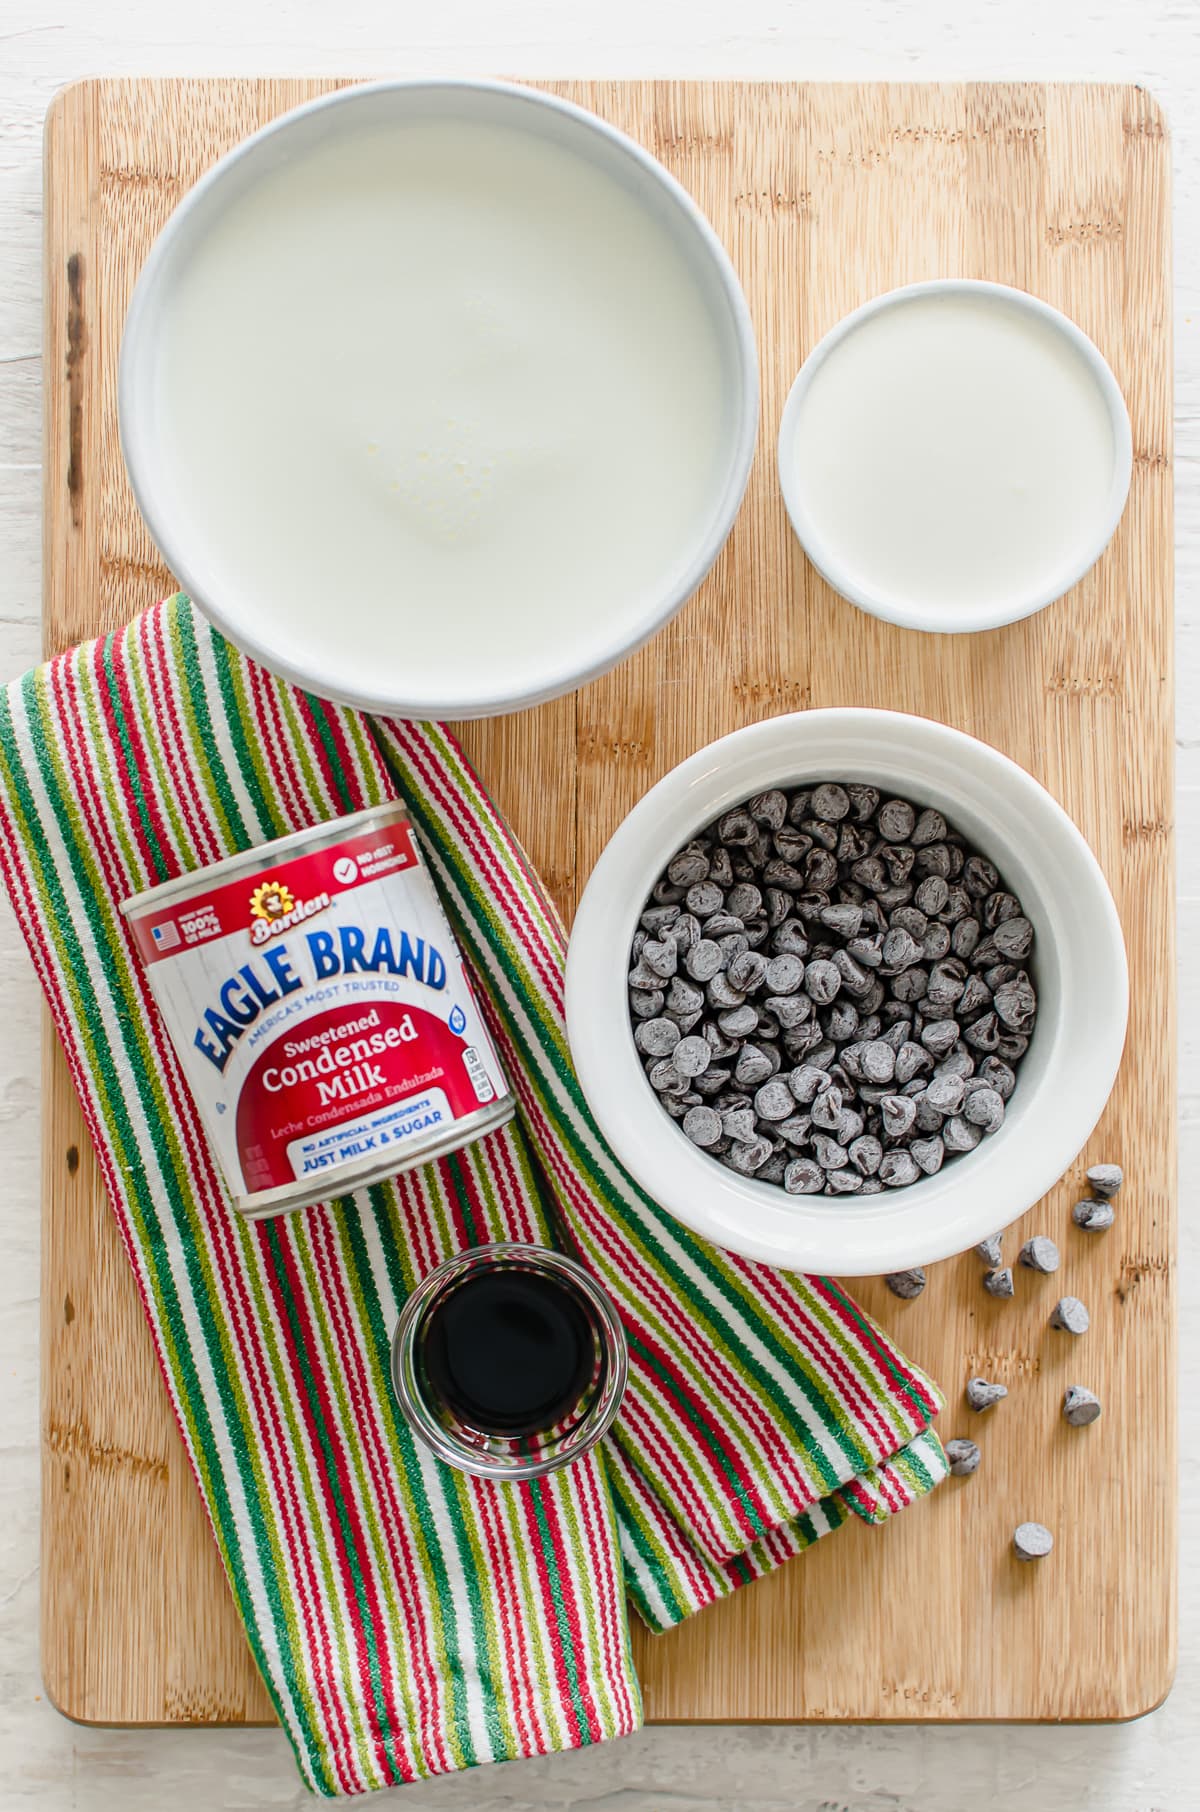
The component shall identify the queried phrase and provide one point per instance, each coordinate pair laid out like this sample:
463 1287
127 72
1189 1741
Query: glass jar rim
440 1440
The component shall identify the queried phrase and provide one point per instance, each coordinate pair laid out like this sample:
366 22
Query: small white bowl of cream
439 397
955 455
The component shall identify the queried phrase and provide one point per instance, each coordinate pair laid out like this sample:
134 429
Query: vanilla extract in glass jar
509 1361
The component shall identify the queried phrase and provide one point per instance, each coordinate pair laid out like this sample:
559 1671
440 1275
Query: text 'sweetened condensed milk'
321 1011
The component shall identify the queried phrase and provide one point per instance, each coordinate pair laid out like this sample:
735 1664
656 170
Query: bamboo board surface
824 195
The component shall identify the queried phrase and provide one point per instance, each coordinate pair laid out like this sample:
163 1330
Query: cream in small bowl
954 455
1064 1079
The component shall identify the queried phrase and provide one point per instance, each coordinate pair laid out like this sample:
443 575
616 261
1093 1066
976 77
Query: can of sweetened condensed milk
320 1008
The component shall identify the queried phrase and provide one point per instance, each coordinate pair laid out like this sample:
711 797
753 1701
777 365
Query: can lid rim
313 835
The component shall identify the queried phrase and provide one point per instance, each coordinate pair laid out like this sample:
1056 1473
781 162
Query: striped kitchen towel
409 1620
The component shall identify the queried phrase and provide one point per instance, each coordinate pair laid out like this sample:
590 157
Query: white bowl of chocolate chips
847 991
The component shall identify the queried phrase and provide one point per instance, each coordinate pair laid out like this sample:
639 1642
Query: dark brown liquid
509 1352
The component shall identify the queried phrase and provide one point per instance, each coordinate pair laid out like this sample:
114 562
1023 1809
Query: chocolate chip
984 1108
720 867
822 982
930 827
721 993
998 1282
989 1250
911 1061
703 960
1016 1003
1032 1541
945 1094
1080 1407
783 974
981 1395
665 1079
769 808
702 1125
804 1177
692 1056
958 1134
1093 1216
744 900
1014 939
753 1066
747 971
866 1154
864 801
749 1156
828 1153
896 820
1105 1180
806 1082
1070 1315
657 1037
738 1123
773 1101
964 1457
906 1284
830 802
845 920
899 1112
898 1170
1039 1254
929 1153
827 1110
940 1036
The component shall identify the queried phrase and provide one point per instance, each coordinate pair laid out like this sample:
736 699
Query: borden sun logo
274 909
273 900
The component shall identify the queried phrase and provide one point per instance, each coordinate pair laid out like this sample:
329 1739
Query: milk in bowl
439 406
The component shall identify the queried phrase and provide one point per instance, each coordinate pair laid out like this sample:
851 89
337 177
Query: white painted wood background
51 1765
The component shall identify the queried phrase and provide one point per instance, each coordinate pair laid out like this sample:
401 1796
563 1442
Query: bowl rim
138 445
910 613
615 1089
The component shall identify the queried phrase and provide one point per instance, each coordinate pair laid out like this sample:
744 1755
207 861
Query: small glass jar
493 1284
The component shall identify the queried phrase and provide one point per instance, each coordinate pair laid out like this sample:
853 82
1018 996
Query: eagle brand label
321 1011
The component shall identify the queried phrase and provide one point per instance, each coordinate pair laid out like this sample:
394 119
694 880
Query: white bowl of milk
438 397
955 455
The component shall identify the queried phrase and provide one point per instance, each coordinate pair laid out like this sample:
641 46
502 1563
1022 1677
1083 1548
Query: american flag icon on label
166 935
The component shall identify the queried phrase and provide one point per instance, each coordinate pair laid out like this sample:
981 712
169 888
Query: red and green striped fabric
408 1620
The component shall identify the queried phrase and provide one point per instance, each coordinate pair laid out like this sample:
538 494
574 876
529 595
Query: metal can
321 1011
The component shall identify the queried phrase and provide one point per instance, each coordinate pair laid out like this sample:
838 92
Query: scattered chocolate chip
981 1395
1093 1216
1070 1315
906 1284
1039 1254
964 1457
1105 1180
1032 1541
1080 1406
989 1250
999 1282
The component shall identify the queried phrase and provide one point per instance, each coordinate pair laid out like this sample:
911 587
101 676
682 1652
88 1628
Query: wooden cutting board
824 196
